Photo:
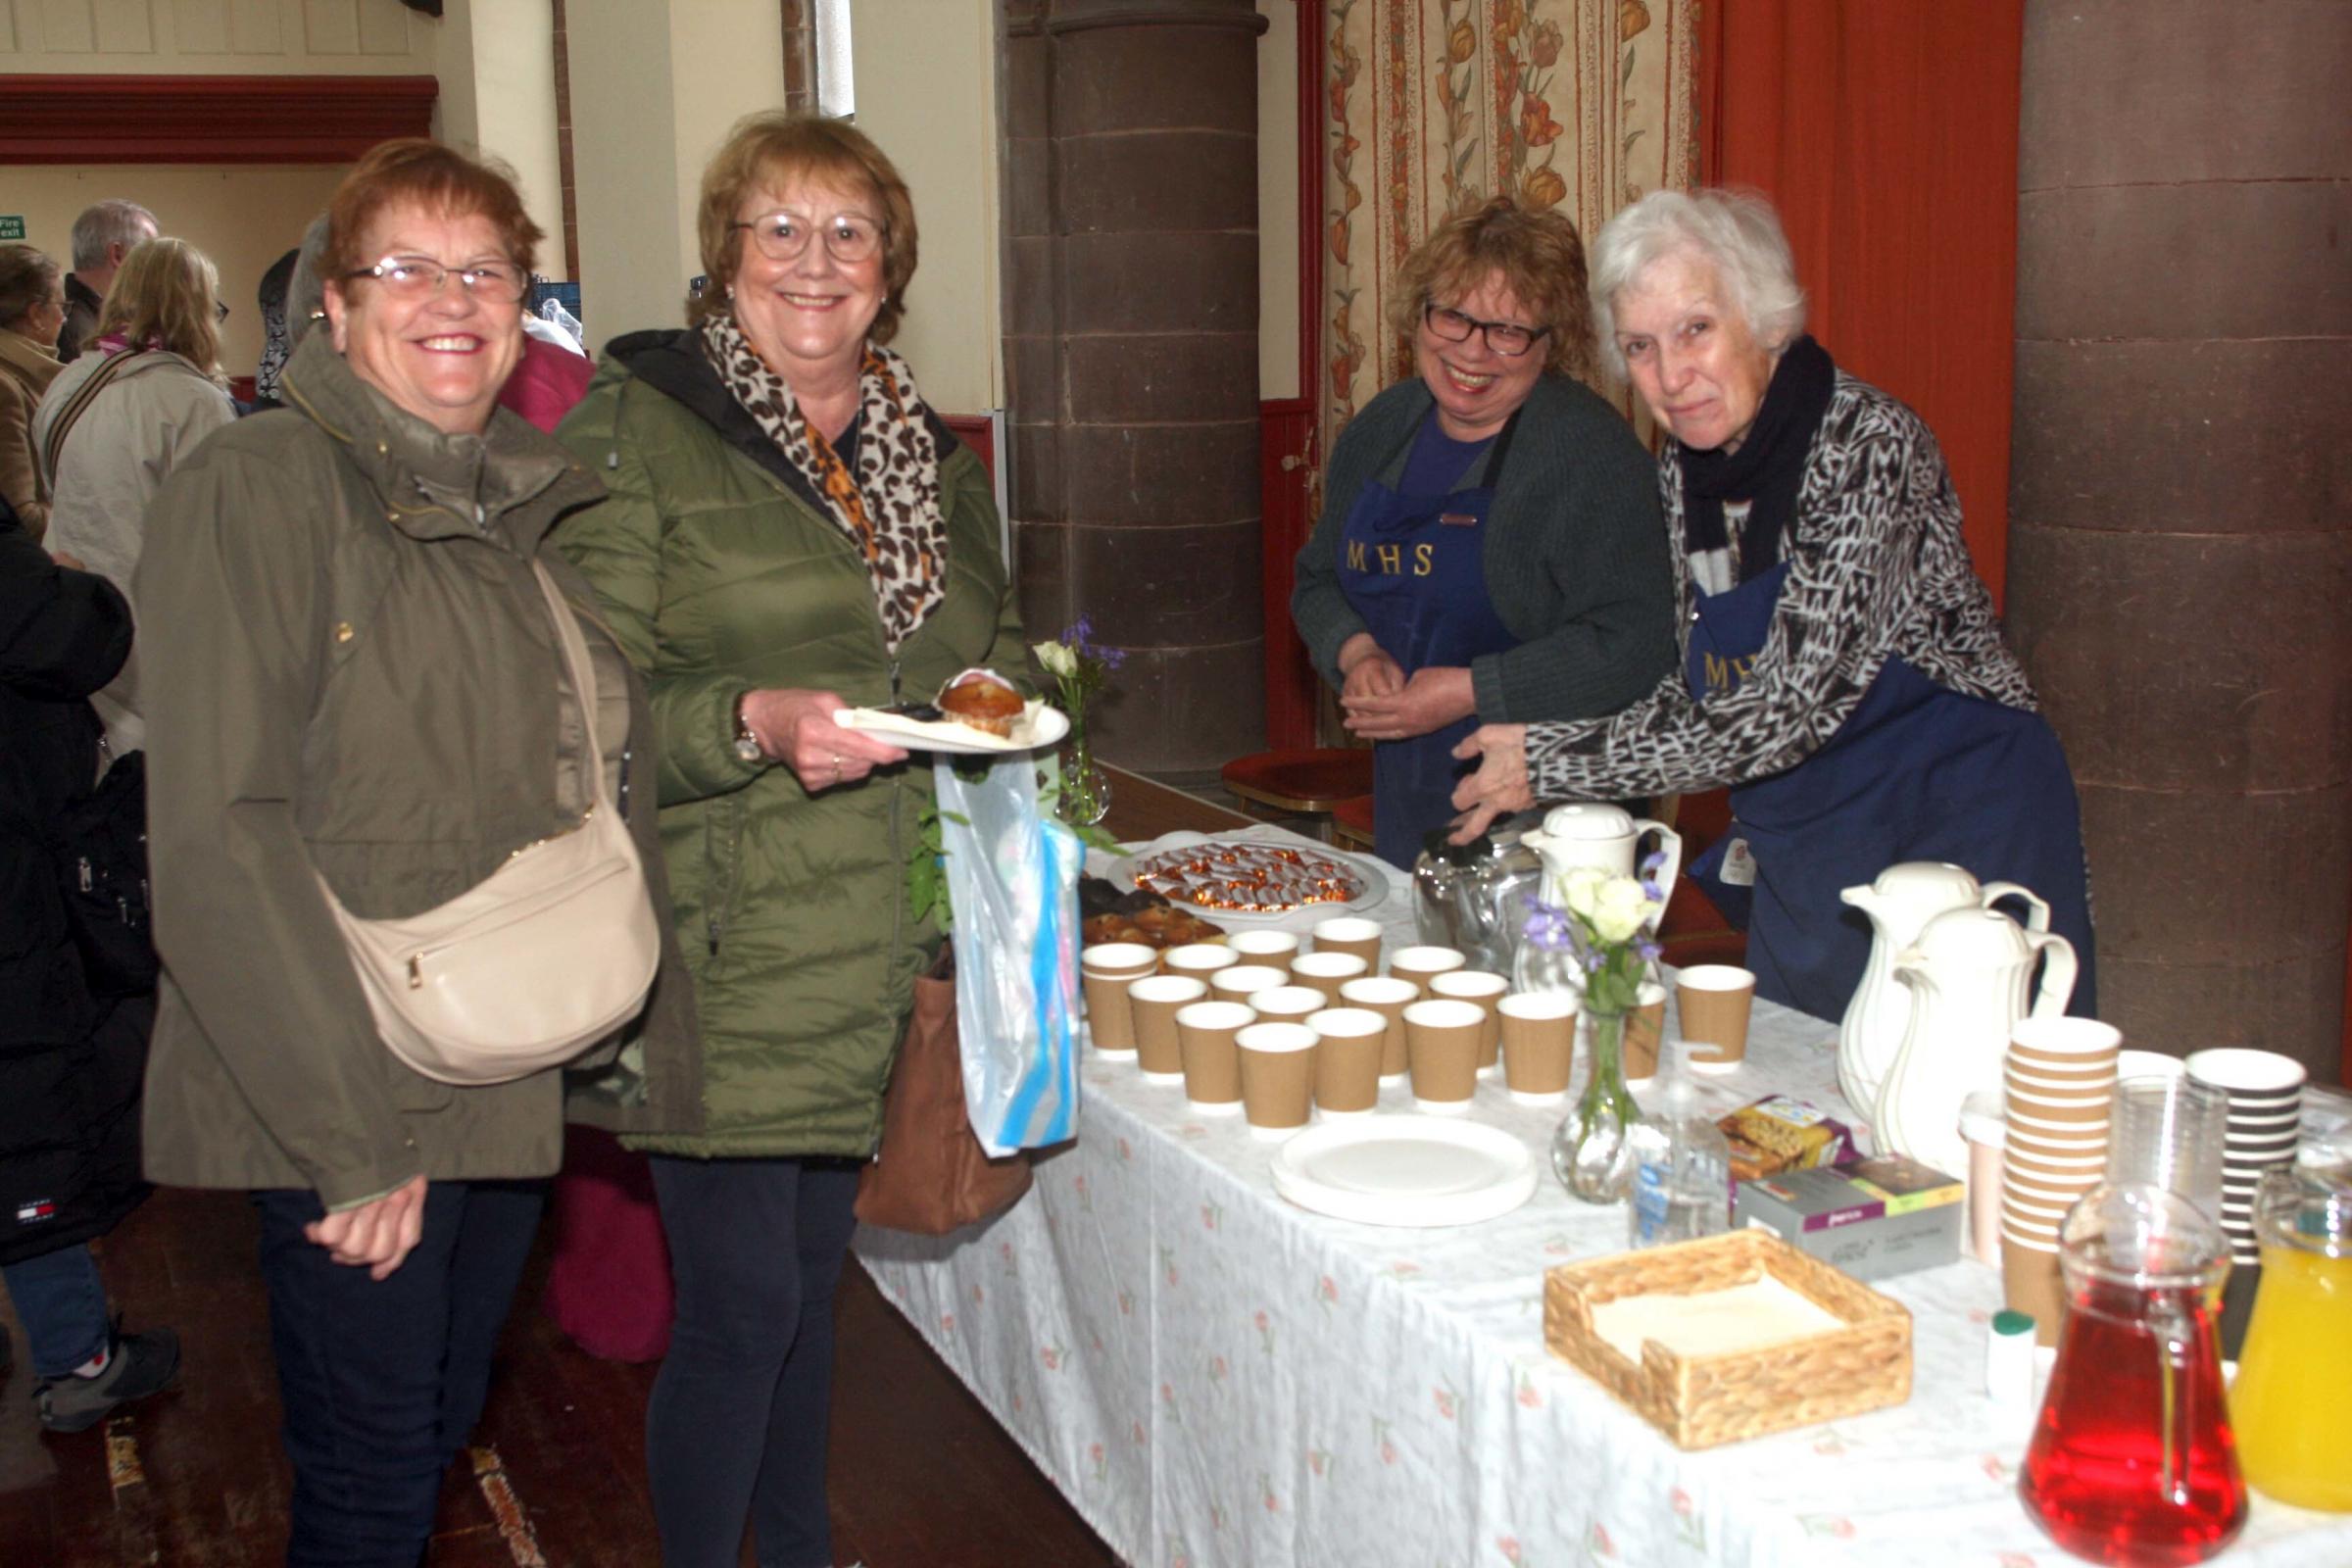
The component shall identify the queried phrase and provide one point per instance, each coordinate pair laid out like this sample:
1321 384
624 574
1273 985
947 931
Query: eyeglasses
783 236
1506 338
421 278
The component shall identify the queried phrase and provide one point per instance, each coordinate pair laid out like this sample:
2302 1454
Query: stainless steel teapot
1471 897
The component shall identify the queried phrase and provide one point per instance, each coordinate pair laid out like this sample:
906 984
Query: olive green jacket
352 674
720 574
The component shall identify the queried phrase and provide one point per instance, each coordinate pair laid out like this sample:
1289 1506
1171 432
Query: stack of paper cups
2059 1083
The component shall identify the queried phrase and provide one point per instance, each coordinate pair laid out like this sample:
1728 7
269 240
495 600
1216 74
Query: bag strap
574 648
45 471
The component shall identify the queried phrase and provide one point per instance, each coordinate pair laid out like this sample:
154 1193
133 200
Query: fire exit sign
12 226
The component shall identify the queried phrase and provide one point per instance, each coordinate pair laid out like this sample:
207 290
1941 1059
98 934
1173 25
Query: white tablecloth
1214 1376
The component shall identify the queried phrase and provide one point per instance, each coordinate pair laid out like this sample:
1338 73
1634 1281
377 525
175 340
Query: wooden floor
194 1478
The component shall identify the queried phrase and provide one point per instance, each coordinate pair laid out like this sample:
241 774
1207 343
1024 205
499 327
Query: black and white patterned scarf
889 509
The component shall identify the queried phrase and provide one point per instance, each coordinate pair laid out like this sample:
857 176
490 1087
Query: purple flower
1647 950
1593 962
1652 891
1650 864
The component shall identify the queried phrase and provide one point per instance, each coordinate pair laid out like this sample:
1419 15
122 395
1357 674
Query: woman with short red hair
353 688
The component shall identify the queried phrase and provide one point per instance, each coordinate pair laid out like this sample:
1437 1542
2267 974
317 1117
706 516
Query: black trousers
737 1429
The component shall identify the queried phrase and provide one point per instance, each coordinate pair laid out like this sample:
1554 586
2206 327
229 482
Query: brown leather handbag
931 1176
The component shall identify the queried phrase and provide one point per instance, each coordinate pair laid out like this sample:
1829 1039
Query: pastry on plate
983 700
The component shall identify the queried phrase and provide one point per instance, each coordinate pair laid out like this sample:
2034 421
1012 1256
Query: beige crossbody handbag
531 966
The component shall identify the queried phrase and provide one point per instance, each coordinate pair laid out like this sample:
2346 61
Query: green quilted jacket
720 572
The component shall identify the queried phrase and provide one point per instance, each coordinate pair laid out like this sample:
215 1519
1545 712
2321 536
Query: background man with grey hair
103 235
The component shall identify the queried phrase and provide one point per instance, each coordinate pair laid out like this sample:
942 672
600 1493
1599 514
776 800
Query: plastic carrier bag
1012 881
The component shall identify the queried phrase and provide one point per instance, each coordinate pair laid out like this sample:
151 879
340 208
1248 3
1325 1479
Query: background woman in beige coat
33 307
159 348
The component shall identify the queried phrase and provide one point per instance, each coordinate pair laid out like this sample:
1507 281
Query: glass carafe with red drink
2133 1463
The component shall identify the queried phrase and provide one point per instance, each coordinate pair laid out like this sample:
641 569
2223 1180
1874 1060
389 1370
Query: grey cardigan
1575 558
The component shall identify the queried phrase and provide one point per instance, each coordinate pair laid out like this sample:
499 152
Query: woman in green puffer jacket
789 530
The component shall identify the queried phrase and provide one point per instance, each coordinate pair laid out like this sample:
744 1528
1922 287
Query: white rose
1580 887
1057 659
1620 909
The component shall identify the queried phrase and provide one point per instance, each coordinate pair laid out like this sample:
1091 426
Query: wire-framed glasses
782 236
1506 338
419 277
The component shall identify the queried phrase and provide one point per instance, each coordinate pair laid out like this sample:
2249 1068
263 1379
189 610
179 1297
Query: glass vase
1085 798
1590 1154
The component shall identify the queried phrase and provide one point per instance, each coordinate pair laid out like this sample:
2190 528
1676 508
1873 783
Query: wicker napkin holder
1702 1400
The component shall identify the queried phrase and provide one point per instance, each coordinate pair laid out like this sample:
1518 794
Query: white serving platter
1371 874
1406 1170
1041 724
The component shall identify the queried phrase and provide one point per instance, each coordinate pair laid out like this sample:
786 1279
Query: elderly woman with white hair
1843 668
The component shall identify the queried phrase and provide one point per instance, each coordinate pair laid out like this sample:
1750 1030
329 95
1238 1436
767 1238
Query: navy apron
1414 569
1915 772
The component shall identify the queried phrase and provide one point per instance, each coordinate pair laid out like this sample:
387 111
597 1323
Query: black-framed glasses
1506 338
783 236
421 278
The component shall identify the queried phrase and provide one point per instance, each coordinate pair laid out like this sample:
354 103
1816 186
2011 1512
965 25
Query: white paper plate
1041 724
1372 874
1406 1170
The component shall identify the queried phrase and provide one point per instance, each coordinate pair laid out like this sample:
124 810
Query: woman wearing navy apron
1489 548
1843 671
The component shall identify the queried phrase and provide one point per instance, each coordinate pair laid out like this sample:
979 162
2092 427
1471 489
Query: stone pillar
2180 550
1131 352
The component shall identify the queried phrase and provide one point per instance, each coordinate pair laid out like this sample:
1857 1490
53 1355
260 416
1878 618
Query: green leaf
1627 80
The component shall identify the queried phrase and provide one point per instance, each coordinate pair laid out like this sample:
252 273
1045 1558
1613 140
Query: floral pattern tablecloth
1214 1376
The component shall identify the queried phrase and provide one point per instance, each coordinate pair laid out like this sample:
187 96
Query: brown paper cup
1155 1001
1289 1003
1644 1034
1277 947
1538 1045
1105 969
1238 982
1328 971
1388 996
1347 1059
1482 991
2086 1113
1197 959
1212 1061
1714 999
1417 965
1441 1037
1278 1077
1352 934
2030 1285
2057 1040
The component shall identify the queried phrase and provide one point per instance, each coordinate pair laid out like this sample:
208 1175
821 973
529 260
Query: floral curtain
1579 105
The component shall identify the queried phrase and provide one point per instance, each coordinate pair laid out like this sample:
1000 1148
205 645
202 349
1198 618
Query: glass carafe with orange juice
2289 1404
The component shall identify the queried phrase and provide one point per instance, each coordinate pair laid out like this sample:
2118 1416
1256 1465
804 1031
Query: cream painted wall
633 265
495 63
926 81
1278 199
243 219
258 37
726 62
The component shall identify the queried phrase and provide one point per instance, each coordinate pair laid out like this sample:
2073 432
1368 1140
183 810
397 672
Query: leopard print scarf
890 508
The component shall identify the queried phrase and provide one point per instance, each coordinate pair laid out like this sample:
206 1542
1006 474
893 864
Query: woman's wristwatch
747 743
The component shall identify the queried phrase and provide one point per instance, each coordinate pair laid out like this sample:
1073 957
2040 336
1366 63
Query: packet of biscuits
1780 1133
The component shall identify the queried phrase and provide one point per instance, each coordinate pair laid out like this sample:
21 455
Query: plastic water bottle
1682 1168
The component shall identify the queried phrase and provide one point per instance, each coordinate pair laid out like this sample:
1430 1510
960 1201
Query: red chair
1694 930
1306 782
1352 824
